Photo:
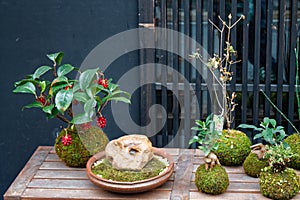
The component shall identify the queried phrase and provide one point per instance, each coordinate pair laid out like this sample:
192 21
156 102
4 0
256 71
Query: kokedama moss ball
253 166
214 181
294 143
76 154
282 185
234 147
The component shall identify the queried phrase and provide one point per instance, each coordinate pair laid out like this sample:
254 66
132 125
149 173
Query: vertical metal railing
265 42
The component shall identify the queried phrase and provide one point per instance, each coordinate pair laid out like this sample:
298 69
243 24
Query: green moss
234 147
76 154
294 143
282 185
106 171
253 166
214 181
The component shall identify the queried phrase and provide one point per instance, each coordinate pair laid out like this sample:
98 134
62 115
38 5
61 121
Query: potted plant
277 181
234 145
272 135
294 139
59 95
210 177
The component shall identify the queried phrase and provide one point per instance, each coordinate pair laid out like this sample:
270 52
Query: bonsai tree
56 95
210 177
234 145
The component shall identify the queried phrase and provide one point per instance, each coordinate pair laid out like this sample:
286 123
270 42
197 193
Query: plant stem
64 119
283 115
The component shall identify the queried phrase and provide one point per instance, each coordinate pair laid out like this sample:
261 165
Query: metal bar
199 38
163 60
292 66
256 61
210 47
187 111
175 109
268 55
245 63
239 87
146 15
280 58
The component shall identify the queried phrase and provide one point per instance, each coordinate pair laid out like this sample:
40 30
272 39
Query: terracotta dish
130 187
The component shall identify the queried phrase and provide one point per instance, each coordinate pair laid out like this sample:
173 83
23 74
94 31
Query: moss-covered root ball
214 181
234 147
282 185
253 166
76 154
294 143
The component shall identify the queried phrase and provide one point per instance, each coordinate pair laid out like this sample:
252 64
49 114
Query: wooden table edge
27 173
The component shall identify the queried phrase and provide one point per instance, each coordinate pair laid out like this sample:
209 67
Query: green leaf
249 126
86 78
54 89
63 99
81 96
273 122
194 139
59 80
81 119
89 107
26 88
56 57
195 128
34 104
43 86
64 69
22 82
40 71
259 135
53 114
48 109
123 99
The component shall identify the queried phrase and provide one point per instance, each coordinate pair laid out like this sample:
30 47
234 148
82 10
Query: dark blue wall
28 31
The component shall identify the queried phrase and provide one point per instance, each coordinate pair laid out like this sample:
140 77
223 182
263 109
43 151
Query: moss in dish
104 169
234 147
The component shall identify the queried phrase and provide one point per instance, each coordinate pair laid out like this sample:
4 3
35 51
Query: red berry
101 122
103 82
66 140
42 100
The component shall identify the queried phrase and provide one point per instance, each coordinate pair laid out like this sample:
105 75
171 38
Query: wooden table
46 177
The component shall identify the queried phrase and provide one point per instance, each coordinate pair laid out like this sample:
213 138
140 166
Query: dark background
28 31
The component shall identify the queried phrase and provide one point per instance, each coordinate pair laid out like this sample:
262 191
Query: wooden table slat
184 168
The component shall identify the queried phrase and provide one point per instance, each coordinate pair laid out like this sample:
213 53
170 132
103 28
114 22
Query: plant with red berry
56 97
